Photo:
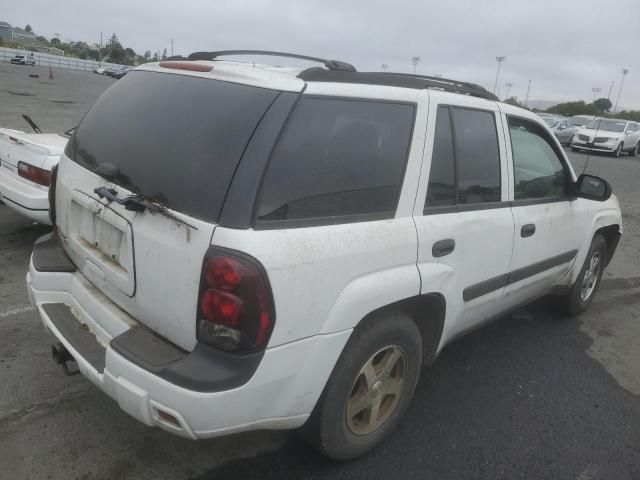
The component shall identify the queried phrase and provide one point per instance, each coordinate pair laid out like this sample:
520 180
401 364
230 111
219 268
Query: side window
337 157
442 182
632 127
477 156
538 171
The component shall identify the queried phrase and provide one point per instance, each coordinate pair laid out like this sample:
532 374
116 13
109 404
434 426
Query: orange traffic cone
50 73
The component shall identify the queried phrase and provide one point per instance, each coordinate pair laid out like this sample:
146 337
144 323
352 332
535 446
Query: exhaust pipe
61 356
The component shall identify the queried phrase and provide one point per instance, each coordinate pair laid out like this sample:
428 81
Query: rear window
338 160
175 138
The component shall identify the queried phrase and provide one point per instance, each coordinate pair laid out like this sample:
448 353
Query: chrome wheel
591 277
376 390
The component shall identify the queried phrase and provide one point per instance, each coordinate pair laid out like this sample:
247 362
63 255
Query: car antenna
595 135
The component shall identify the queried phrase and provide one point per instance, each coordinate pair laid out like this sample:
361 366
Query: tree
55 41
569 109
147 55
28 28
514 101
603 104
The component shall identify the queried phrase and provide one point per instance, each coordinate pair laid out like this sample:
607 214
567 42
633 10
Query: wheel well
428 313
611 234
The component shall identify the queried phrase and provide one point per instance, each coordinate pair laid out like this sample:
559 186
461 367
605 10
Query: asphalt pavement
533 395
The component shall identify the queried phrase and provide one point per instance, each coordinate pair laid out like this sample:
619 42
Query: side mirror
592 188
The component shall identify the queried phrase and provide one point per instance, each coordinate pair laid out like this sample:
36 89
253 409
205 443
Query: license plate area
101 243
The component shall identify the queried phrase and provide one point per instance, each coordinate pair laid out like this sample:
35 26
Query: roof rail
405 80
330 64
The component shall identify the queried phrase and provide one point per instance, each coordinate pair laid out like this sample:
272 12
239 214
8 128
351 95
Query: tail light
235 304
34 174
52 195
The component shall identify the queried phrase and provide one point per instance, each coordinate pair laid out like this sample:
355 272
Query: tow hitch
61 356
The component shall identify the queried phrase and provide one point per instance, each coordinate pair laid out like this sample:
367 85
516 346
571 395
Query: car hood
601 133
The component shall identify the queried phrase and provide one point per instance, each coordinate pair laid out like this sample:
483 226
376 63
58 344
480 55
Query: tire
337 428
618 151
635 150
578 299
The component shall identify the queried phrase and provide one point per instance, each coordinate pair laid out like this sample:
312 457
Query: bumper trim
72 330
205 369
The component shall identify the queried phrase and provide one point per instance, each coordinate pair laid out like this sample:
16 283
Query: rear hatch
173 141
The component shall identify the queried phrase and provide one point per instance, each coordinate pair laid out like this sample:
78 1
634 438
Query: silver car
561 127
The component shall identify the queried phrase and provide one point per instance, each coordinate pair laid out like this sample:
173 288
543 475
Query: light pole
415 61
526 99
172 47
595 90
384 67
624 74
499 60
508 85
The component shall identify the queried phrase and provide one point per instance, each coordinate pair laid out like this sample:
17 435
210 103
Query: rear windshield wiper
139 203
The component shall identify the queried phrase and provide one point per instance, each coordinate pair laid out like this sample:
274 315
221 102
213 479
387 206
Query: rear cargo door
173 142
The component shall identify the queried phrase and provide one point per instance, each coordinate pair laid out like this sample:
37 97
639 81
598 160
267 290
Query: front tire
369 389
618 150
578 299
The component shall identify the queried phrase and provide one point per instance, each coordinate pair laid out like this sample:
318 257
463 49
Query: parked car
26 160
288 248
118 74
608 135
113 71
561 127
23 60
99 70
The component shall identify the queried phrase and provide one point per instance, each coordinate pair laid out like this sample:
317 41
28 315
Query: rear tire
578 299
634 152
369 389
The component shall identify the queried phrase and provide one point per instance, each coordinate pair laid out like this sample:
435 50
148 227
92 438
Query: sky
565 47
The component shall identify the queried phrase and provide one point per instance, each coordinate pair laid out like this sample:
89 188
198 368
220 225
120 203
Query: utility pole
384 67
499 60
172 47
595 90
624 74
526 99
100 51
415 61
508 85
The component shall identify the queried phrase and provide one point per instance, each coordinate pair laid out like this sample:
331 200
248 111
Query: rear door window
175 138
338 160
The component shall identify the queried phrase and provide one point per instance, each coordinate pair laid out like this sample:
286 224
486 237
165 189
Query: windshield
607 125
552 122
174 138
579 121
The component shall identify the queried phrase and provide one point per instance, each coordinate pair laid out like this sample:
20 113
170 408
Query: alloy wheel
590 278
376 390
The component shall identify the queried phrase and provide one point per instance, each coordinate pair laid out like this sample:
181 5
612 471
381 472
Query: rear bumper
26 199
279 394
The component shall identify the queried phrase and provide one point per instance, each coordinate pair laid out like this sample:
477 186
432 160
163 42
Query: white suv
243 246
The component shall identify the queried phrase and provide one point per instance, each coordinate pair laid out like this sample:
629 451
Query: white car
99 70
26 160
608 135
23 60
289 247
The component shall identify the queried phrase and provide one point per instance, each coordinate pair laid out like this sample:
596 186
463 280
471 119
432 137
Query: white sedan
26 160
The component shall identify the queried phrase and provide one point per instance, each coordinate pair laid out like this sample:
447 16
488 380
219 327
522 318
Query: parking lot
532 395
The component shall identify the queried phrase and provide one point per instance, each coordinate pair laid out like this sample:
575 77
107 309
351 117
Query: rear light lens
34 174
52 195
235 305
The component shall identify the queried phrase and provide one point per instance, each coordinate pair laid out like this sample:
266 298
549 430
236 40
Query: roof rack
406 80
334 65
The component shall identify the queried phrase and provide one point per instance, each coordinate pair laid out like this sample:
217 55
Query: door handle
527 230
443 247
